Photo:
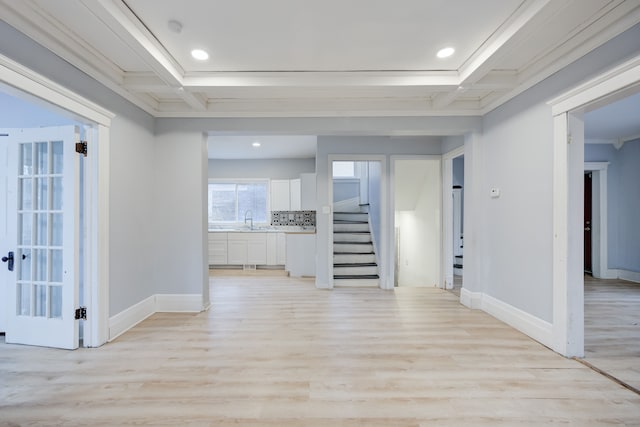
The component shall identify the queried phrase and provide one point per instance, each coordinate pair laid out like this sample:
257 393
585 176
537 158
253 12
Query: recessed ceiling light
256 144
446 52
200 54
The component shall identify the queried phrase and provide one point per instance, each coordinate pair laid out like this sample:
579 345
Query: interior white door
42 217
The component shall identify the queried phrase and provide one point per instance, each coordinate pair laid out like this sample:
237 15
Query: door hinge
81 148
81 313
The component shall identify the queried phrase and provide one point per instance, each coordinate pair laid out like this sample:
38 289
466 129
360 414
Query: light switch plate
495 193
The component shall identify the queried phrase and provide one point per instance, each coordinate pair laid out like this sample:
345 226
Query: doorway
568 198
417 215
357 232
588 218
45 232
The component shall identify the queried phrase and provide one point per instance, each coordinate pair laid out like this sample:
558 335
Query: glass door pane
40 220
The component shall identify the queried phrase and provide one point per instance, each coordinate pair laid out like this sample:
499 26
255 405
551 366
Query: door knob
9 260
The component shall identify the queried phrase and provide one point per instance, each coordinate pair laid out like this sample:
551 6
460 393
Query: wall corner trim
534 327
159 303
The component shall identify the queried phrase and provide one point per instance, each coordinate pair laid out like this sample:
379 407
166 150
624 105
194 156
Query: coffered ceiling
315 58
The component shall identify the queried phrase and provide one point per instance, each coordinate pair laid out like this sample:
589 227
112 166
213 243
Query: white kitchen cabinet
280 195
294 195
276 249
301 254
272 246
236 250
256 248
247 248
218 248
281 248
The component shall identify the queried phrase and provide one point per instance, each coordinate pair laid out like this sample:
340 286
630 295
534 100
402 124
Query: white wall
131 215
262 168
417 185
180 221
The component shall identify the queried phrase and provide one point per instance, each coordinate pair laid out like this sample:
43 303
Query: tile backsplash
294 218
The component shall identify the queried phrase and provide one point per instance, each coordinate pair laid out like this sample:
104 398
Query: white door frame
568 197
25 83
383 245
447 216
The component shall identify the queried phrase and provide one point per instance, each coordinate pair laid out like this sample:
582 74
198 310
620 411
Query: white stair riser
354 259
351 227
351 216
351 237
353 271
354 248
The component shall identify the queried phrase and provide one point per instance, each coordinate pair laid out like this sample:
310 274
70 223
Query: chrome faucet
250 218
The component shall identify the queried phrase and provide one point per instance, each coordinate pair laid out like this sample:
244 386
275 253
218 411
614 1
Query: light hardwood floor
612 328
274 351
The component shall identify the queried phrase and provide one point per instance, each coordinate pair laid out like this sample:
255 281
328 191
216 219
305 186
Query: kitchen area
261 205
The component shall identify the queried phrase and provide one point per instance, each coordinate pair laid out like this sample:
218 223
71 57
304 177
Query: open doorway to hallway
458 223
417 189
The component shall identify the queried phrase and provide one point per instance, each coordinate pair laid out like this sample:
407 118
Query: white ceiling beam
27 17
443 80
311 107
494 81
445 99
126 26
497 80
146 82
195 101
515 28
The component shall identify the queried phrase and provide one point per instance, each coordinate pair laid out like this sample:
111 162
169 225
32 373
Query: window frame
237 182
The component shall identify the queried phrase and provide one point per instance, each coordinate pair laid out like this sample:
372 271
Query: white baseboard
160 303
532 326
471 299
616 273
168 303
127 319
632 276
609 273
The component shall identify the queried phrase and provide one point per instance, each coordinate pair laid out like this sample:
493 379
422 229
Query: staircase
354 259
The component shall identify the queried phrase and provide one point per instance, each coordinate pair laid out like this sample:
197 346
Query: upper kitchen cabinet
280 195
294 195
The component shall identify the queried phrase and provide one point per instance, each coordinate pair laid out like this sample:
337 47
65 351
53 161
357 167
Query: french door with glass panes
42 224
